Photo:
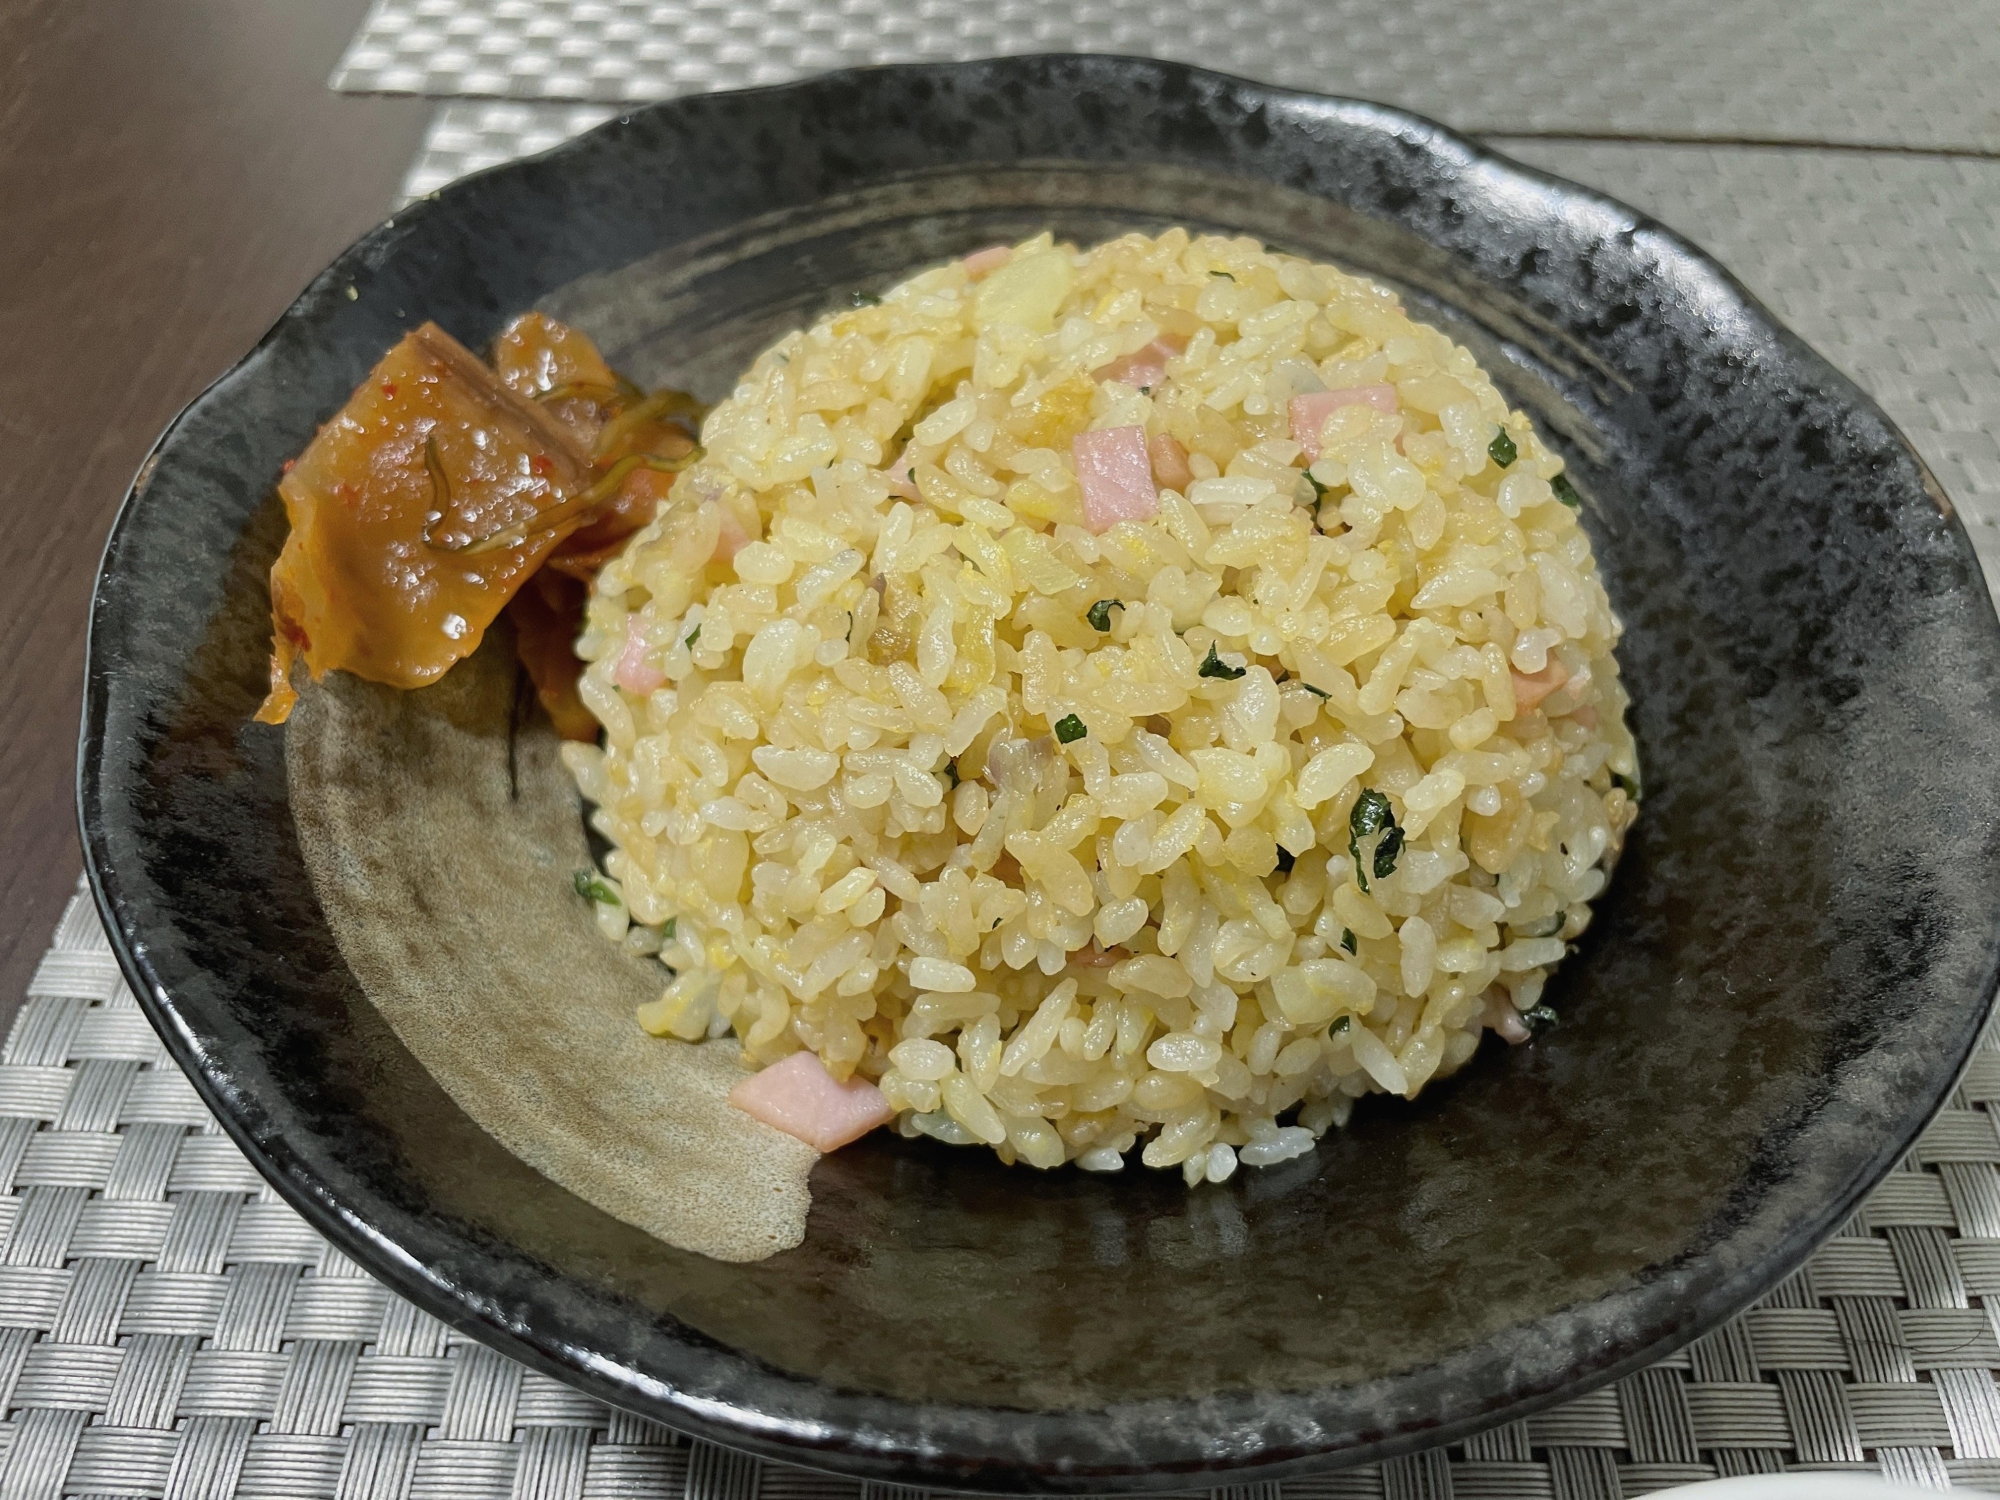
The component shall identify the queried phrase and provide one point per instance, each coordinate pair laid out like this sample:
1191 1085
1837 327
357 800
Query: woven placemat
470 137
1818 70
169 1327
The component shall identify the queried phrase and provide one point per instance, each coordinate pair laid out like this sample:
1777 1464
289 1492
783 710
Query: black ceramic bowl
1784 980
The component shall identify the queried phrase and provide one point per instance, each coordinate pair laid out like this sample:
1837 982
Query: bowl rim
934 1455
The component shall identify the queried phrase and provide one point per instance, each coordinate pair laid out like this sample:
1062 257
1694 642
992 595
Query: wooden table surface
171 176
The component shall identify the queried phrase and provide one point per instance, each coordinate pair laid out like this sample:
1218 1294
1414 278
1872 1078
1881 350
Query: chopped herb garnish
1320 491
864 299
1372 815
1540 1021
667 932
1340 1026
1566 492
1223 274
1502 449
951 770
1215 666
1319 693
1285 860
591 888
1386 852
1347 940
1099 614
1069 728
692 636
1629 783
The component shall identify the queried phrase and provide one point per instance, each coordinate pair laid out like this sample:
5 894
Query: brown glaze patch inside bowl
441 834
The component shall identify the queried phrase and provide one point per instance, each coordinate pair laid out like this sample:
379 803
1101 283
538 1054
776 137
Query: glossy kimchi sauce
550 362
416 514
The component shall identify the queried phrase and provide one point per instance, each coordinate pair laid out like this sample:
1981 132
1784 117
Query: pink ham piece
1115 474
1507 1021
1503 1018
983 263
1170 463
1095 957
634 673
1309 412
1531 688
1144 369
732 539
897 471
801 1098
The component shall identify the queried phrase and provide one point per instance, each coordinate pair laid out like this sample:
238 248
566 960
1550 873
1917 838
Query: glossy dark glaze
1788 972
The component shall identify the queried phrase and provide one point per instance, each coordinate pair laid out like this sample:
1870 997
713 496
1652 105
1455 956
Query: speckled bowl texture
1782 984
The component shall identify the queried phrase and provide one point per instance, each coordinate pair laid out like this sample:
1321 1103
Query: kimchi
447 490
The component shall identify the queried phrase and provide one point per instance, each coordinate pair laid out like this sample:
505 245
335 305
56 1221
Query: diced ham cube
732 539
983 263
1170 463
634 673
1309 412
1115 474
801 1098
1145 368
1095 957
1503 1018
1531 688
898 472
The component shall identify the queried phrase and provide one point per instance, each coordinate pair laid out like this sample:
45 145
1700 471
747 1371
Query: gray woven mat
469 137
1821 70
170 1328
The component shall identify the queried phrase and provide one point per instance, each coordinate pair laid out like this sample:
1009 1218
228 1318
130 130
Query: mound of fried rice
1079 821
